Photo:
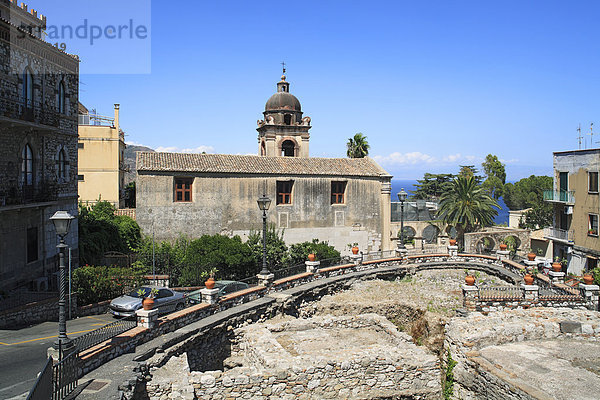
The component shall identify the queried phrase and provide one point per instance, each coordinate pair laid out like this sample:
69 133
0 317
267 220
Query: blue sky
432 84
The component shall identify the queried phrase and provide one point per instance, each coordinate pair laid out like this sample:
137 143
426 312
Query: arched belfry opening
284 130
287 148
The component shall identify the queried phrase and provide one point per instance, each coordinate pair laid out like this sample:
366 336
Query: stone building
341 200
101 155
574 234
38 146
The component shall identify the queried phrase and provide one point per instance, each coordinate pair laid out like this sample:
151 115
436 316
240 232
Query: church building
341 200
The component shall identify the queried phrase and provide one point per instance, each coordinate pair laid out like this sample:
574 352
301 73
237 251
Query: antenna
591 134
579 137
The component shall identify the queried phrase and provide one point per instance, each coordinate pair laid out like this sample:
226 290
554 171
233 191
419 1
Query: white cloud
511 161
416 158
174 149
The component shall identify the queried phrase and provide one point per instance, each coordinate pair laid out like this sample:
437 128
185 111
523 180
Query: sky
432 84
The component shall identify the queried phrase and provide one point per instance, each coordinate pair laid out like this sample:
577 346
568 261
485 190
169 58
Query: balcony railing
28 194
560 196
15 107
96 120
558 234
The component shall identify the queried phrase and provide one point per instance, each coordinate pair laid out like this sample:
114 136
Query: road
23 351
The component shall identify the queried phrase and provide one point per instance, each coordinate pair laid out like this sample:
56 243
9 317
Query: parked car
167 300
225 287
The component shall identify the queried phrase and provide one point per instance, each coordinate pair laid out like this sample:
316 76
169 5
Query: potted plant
588 279
210 282
312 257
469 279
353 247
531 255
452 242
556 265
148 302
528 278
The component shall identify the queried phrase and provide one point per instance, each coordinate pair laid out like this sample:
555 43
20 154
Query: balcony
559 196
559 234
14 107
28 195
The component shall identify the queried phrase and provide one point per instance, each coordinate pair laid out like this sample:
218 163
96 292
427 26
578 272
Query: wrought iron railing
106 332
43 385
15 107
29 194
560 234
65 374
560 196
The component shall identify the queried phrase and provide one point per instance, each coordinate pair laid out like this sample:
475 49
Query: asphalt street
23 351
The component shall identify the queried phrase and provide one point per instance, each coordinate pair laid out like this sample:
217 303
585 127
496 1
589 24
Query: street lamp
263 204
402 198
62 223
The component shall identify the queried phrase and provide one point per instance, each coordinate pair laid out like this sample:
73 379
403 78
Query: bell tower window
287 148
287 119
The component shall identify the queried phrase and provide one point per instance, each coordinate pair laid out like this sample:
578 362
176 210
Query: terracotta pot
452 242
531 256
148 303
528 279
470 280
355 250
556 267
503 247
312 257
588 279
210 283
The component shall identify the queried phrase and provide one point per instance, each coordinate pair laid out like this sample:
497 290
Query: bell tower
283 132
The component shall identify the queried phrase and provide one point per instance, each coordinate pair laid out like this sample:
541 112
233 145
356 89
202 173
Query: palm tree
467 206
358 147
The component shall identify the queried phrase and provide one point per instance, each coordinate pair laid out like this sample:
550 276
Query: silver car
167 300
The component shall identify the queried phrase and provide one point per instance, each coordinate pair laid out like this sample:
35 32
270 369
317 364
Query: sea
410 186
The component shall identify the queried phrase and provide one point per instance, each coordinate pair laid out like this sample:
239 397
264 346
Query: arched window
287 148
287 119
263 149
27 88
62 164
27 166
61 98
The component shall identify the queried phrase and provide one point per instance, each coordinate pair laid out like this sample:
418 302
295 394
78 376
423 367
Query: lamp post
263 204
62 223
402 198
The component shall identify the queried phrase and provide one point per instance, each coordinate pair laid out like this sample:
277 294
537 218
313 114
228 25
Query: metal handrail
65 375
43 383
104 333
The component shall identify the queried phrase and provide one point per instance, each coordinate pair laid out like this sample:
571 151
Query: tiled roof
225 163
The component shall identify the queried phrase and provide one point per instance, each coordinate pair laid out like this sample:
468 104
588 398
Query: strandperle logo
58 34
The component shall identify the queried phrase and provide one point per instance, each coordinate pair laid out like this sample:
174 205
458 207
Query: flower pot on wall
556 267
528 279
588 279
148 303
503 246
470 280
312 257
452 242
210 283
355 250
531 256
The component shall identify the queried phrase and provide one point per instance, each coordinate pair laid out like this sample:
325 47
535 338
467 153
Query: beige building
101 152
574 234
340 200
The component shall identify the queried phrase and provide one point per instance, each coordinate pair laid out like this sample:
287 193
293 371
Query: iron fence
43 385
106 332
65 374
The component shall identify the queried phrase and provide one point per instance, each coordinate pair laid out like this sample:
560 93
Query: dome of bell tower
283 99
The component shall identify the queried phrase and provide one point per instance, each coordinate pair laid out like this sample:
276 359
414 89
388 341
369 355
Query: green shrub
322 250
93 284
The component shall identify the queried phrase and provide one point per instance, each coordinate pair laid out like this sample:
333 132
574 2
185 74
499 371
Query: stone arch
288 147
513 242
486 245
430 234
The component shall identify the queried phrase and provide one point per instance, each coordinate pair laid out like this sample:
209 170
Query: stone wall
475 377
33 313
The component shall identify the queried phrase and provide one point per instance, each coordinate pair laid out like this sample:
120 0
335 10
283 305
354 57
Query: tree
467 206
277 251
539 216
322 250
468 171
230 256
527 192
495 176
357 147
432 186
